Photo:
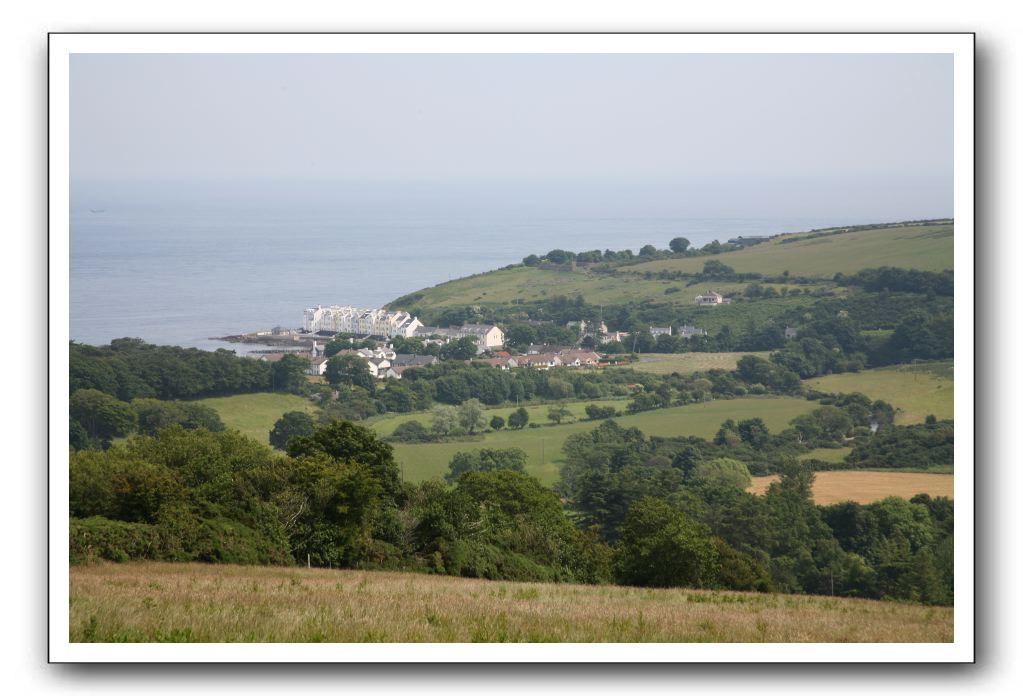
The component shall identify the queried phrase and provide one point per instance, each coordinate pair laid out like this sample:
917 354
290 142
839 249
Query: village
378 329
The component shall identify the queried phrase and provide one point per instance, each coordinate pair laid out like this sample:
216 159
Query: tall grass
156 602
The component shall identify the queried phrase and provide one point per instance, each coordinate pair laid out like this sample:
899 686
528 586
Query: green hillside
923 247
916 391
531 284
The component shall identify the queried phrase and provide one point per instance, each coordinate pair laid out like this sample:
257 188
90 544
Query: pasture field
385 424
687 363
255 414
914 390
530 284
867 486
542 446
167 602
927 248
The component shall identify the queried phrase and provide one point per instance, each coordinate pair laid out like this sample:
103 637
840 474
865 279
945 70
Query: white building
660 331
488 336
361 322
686 331
710 298
318 365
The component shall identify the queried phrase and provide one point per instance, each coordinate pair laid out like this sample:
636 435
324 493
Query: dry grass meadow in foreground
867 486
150 602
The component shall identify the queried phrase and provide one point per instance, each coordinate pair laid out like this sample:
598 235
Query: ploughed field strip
157 602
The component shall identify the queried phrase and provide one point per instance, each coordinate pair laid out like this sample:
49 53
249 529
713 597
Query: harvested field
868 486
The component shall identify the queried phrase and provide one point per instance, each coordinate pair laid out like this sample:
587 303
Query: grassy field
914 390
927 248
532 284
867 486
255 414
543 445
162 602
826 454
687 363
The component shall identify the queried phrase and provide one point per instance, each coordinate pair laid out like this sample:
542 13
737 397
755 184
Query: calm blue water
178 277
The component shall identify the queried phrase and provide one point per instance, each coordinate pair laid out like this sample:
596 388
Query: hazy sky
696 134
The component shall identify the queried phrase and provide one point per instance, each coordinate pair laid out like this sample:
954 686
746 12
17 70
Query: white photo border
63 45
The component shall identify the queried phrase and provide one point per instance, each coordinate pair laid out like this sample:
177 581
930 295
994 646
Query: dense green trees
662 547
669 511
288 374
291 424
919 446
486 459
154 415
459 349
101 416
595 412
349 370
131 368
720 472
346 443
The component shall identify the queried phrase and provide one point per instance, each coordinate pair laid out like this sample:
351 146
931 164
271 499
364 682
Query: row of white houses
361 322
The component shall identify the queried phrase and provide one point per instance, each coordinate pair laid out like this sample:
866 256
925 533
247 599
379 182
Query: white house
660 331
710 298
488 336
686 331
579 358
318 365
378 367
614 336
542 361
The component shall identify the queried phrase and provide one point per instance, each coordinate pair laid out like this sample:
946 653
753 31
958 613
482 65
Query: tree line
336 499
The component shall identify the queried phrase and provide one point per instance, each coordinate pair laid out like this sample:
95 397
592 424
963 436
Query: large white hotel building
362 322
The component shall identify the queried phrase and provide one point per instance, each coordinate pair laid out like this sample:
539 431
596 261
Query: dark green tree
715 268
663 547
679 245
288 374
102 416
459 349
347 443
557 413
518 419
291 424
349 370
486 459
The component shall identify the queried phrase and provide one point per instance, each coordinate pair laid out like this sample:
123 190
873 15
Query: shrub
412 431
95 538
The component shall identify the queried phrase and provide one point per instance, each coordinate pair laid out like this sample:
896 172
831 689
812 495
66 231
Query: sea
184 277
